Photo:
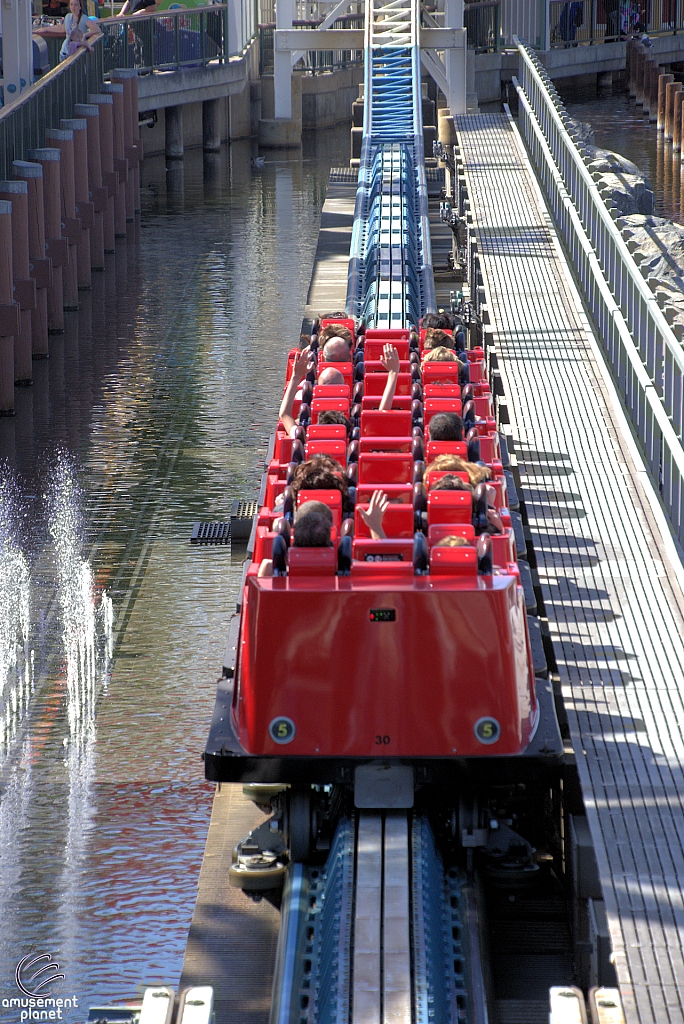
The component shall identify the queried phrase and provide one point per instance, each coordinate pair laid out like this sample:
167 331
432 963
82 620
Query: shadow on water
160 395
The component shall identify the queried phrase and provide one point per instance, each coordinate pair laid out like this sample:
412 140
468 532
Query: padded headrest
453 561
311 562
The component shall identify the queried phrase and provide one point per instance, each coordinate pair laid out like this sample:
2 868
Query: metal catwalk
610 577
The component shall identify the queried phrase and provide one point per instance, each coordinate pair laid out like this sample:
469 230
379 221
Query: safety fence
482 19
172 40
584 22
310 15
23 123
642 349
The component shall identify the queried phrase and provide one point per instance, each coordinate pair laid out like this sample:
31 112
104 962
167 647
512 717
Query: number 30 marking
382 740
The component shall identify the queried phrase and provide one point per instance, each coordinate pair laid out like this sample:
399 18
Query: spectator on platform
80 30
138 7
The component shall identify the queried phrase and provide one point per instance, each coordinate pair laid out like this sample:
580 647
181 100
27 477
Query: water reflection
153 411
16 657
621 126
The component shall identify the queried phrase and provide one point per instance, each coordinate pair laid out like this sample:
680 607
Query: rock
604 160
628 189
659 244
585 132
630 193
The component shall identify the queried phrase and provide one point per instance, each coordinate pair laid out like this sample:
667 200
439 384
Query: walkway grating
611 591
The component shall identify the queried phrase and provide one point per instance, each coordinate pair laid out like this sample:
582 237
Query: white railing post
282 62
646 357
455 60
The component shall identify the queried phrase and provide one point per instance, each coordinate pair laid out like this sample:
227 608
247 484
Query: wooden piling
128 78
57 247
677 124
40 264
672 89
647 86
640 68
83 206
9 312
16 193
653 92
63 140
97 193
110 178
120 163
663 82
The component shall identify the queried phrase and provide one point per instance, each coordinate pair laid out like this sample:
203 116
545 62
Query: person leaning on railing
80 30
138 7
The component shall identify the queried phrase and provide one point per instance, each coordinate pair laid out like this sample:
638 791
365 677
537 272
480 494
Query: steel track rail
390 280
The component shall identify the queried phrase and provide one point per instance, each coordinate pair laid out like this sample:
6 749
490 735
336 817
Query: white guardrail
646 356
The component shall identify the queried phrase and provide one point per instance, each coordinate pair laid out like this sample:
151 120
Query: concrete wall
573 70
319 101
235 113
327 99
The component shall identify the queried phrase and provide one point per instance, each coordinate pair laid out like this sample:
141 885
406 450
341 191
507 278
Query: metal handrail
576 22
44 104
169 40
642 349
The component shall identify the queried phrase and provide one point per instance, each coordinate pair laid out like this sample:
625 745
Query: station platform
232 940
610 576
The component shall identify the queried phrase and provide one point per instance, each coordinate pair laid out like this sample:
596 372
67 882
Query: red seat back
346 369
397 522
430 479
318 405
388 333
386 444
373 350
503 548
439 390
283 448
441 530
453 562
345 321
385 468
335 449
332 391
433 406
375 366
395 492
401 402
374 384
392 423
435 448
450 507
311 562
445 372
326 432
333 499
